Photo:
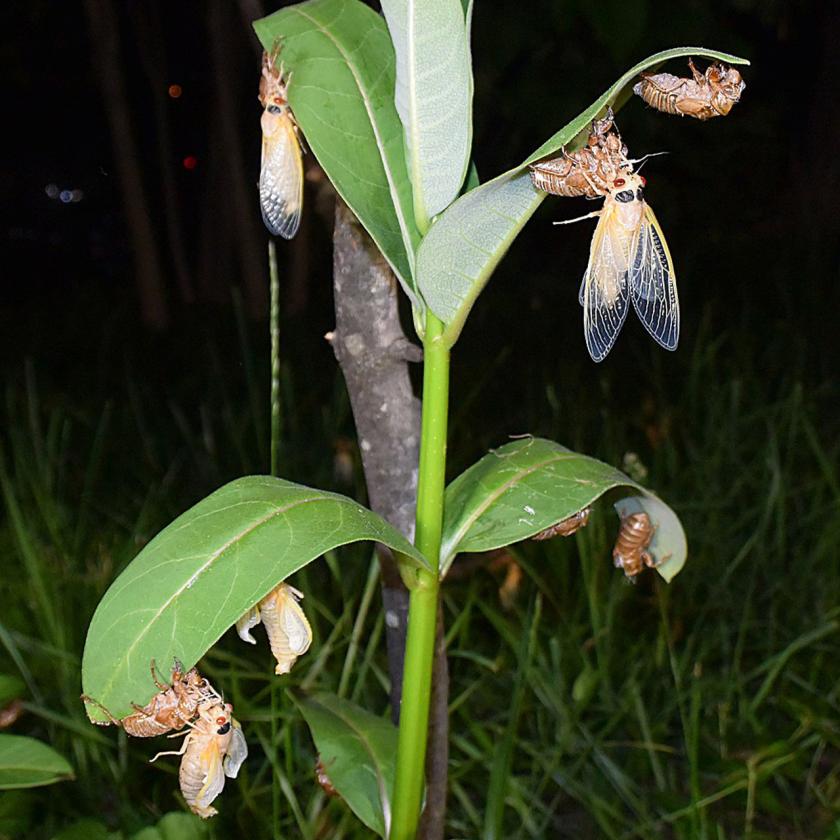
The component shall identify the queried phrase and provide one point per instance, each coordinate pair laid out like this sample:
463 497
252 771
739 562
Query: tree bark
105 41
374 353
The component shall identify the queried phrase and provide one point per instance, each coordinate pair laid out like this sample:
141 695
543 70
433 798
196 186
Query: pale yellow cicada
628 261
281 167
214 747
286 625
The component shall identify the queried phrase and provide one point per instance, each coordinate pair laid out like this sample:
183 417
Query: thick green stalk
422 611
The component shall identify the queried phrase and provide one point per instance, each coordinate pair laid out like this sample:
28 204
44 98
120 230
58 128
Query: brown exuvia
703 96
565 527
634 536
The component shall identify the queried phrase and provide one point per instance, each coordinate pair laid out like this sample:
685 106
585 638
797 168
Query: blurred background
134 347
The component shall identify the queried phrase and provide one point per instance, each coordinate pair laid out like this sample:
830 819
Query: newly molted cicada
289 633
565 527
590 170
634 536
214 747
703 96
628 260
172 707
281 167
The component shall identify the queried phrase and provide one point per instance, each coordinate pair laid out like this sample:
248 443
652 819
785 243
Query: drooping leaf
433 97
466 243
358 753
339 61
527 485
26 763
202 572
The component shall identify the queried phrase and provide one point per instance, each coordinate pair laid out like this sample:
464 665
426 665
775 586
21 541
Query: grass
588 707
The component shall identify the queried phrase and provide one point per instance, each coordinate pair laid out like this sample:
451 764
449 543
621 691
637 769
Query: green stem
423 603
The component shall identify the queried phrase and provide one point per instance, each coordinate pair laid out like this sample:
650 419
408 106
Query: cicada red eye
619 182
643 180
221 721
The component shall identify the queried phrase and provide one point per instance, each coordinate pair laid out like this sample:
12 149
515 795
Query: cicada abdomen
281 166
630 552
286 625
703 96
214 747
590 170
172 707
565 527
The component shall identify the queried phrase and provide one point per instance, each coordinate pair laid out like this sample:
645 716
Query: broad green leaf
11 688
433 97
207 568
175 826
26 763
87 828
358 753
527 485
339 61
466 243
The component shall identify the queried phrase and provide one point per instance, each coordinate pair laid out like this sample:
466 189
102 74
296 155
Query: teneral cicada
703 96
628 260
289 633
214 747
172 707
565 527
590 170
634 536
281 166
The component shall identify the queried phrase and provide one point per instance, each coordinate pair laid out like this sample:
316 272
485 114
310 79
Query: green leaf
358 753
26 763
10 688
527 485
466 243
433 97
202 572
339 61
86 828
175 826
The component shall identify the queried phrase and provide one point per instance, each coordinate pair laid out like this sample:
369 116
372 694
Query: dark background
748 203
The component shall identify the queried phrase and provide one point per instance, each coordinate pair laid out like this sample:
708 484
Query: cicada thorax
634 536
565 527
588 171
281 165
173 707
703 96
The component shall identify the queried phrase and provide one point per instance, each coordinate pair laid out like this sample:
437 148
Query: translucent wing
214 777
603 292
248 621
294 622
653 285
237 751
281 175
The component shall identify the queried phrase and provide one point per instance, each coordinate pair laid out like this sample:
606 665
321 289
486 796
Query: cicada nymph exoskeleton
628 261
703 96
630 552
214 747
588 171
286 625
565 527
281 166
172 707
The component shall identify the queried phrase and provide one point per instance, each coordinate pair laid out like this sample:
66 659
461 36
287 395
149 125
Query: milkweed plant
385 105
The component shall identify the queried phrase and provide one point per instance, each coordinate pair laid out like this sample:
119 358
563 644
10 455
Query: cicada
565 527
703 96
214 747
634 536
281 166
628 260
289 633
172 707
589 171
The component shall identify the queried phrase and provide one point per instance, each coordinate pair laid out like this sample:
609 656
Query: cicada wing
245 624
653 284
281 178
237 751
294 622
604 289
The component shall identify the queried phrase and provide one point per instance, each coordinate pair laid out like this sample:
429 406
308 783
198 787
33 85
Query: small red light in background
175 91
190 162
